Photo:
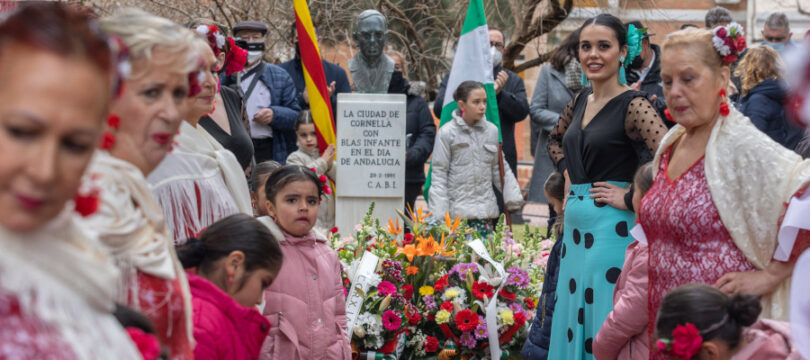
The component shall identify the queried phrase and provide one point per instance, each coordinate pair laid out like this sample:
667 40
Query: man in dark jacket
336 78
420 132
645 72
270 97
513 106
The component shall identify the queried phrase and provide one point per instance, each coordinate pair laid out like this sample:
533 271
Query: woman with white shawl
57 289
200 181
129 223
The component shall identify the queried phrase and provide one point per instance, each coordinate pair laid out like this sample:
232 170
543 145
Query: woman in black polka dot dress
597 144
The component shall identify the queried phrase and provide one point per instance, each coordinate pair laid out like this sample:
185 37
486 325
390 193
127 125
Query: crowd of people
176 206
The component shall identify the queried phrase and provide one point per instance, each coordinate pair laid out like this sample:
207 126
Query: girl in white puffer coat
465 164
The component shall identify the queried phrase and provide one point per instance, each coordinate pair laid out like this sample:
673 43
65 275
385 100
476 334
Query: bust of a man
371 69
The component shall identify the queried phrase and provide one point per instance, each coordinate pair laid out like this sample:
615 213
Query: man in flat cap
270 97
645 71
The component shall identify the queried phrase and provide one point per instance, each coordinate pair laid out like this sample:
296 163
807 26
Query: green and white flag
472 61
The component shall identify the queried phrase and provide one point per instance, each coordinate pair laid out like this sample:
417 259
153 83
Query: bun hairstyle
464 89
716 315
612 22
304 117
555 185
286 175
66 30
261 171
238 232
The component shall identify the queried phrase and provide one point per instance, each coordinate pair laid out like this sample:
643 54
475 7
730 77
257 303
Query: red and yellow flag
319 102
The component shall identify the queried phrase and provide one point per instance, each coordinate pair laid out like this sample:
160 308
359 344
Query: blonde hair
143 33
759 63
697 40
401 58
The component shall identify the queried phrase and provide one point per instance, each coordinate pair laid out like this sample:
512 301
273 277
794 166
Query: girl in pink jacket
623 335
229 267
305 304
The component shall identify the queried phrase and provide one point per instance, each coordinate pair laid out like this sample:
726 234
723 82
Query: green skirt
594 242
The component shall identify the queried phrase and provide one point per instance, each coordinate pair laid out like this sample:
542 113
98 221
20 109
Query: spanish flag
314 77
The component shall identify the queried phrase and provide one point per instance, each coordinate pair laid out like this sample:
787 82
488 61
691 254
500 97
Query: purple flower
481 330
386 288
467 340
429 303
463 269
516 307
517 277
392 270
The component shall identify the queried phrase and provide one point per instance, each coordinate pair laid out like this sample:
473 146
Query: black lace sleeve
642 123
555 139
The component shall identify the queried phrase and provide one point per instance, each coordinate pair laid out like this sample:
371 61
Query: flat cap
250 25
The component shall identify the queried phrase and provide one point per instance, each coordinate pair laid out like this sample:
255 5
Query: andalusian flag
472 61
314 77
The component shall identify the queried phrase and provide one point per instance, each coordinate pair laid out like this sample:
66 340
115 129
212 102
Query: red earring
108 139
230 280
668 115
722 93
724 109
463 111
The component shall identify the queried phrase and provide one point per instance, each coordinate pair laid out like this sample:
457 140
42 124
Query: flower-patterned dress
687 239
161 301
26 337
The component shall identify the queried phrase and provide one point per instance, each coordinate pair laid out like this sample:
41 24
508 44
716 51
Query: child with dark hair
466 164
142 332
624 335
308 157
258 177
230 265
536 346
698 321
306 303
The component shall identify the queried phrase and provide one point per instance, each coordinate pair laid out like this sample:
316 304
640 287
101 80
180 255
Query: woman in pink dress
714 211
56 289
129 223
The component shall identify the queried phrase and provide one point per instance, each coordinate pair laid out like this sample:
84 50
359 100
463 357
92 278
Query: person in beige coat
465 164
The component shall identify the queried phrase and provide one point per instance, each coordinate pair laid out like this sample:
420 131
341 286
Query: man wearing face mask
271 100
776 33
336 77
513 106
645 71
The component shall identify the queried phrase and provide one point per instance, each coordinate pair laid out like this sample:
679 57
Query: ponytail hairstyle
715 315
238 232
286 175
465 88
304 117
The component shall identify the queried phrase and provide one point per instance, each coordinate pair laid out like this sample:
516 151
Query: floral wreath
729 41
686 340
215 38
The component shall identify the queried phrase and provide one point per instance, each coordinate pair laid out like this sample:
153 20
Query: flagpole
501 173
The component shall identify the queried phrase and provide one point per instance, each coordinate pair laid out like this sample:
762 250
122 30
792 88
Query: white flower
373 342
417 343
374 279
720 46
736 28
202 29
220 40
359 331
124 69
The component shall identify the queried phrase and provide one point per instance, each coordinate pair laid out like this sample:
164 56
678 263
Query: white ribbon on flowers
359 284
491 308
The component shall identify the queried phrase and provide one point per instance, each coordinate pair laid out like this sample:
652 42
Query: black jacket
763 105
513 107
420 130
652 85
332 71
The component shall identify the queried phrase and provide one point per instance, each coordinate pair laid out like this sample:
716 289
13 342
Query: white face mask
254 56
496 55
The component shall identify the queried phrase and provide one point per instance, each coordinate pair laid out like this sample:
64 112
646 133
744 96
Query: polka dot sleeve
642 123
555 139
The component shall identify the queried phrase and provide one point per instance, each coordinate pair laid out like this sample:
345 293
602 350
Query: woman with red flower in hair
144 117
57 291
721 188
700 321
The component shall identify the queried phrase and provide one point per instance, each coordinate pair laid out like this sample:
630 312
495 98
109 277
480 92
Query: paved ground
533 213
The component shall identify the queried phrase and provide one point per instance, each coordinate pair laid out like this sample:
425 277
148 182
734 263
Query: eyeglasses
497 45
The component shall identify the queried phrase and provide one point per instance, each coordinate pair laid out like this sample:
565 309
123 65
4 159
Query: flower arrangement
436 296
729 41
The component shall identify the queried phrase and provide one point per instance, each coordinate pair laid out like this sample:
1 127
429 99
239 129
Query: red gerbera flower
466 320
507 295
481 289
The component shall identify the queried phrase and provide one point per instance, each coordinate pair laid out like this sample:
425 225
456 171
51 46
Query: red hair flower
235 59
729 41
147 344
685 343
466 320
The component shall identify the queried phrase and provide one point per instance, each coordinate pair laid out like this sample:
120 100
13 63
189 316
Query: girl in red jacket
623 335
306 303
234 261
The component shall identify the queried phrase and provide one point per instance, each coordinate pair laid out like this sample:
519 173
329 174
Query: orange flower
393 228
427 246
453 225
417 217
409 250
443 248
411 270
